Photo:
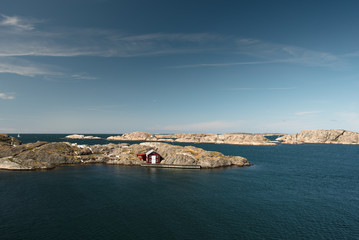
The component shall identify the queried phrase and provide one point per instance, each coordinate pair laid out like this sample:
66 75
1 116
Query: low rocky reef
47 155
227 138
332 136
79 136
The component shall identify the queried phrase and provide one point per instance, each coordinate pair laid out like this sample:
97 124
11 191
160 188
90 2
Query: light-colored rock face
333 136
190 155
44 155
134 136
8 163
78 136
228 138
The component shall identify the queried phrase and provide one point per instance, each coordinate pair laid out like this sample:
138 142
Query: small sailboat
18 135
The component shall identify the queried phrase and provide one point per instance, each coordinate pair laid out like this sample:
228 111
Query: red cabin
142 156
152 157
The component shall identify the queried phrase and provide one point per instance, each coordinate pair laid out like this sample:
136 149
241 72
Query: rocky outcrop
190 155
39 155
5 140
333 136
45 155
79 136
134 136
227 138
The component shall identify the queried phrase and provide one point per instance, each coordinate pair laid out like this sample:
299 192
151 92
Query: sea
308 191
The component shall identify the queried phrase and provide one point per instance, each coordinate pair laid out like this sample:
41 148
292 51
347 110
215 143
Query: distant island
227 138
47 155
79 136
332 136
329 136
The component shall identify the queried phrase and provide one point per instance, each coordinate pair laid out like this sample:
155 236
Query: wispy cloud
7 96
287 53
17 22
83 76
25 67
20 38
109 43
16 65
351 54
194 37
270 53
225 64
307 113
103 43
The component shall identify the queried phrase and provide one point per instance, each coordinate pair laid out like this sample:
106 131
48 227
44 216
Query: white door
153 159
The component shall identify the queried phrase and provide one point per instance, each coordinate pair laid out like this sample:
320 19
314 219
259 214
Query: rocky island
332 136
227 138
47 155
79 136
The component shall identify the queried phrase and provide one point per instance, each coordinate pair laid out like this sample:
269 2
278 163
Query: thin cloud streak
107 43
307 113
7 96
102 43
17 22
25 68
287 53
83 76
225 64
30 69
276 53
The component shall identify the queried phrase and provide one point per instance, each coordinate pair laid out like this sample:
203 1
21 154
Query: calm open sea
306 191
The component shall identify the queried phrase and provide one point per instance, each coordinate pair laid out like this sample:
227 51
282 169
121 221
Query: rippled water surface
291 192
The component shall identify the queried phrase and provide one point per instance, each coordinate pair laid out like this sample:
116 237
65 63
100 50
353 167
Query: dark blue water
306 191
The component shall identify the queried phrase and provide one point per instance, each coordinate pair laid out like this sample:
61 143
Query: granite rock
79 136
227 138
332 136
45 155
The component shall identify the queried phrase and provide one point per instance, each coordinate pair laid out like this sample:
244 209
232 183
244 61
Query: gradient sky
165 66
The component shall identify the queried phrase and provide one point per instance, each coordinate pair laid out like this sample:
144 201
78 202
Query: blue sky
162 66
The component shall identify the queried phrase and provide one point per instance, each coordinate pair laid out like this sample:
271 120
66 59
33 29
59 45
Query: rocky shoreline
227 138
332 136
47 155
